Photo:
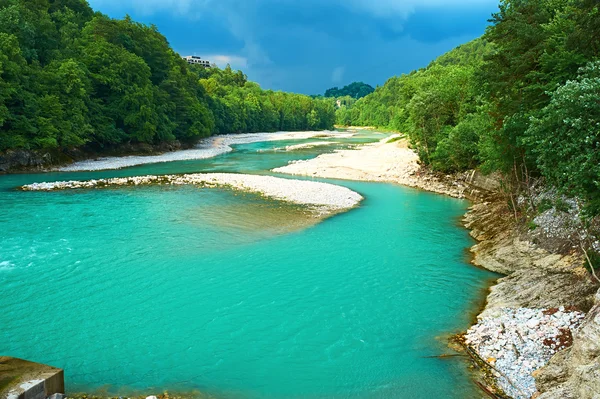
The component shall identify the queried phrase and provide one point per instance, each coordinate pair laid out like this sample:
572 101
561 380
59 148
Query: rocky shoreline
537 315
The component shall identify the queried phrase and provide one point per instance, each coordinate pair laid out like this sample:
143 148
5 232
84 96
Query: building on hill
194 60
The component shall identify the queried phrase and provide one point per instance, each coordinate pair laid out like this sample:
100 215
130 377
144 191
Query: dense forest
72 77
242 106
524 99
355 90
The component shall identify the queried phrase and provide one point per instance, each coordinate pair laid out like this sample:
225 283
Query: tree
355 90
570 156
72 78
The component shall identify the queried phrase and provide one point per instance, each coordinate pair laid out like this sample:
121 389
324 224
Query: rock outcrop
575 372
24 160
538 282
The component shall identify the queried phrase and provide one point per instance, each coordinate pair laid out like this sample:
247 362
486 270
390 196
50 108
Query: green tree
569 156
355 90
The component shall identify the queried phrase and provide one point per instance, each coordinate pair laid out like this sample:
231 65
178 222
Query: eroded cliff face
575 372
24 160
549 288
536 278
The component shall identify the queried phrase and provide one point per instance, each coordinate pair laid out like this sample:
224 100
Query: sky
308 46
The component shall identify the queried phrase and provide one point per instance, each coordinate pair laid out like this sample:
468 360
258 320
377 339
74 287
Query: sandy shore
323 198
389 160
382 161
207 148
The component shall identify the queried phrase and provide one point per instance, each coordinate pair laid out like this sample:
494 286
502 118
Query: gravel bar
323 197
209 147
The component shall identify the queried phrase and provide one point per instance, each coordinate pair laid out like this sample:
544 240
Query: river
146 289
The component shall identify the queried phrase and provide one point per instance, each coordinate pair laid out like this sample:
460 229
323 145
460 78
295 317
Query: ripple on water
6 266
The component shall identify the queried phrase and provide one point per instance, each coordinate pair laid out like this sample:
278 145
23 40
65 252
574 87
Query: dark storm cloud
308 46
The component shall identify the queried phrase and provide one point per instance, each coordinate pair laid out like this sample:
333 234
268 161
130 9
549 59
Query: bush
566 137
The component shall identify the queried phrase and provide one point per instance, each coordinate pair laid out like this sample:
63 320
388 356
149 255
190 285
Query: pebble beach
516 342
207 148
324 198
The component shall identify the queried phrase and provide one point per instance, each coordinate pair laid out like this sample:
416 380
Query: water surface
180 288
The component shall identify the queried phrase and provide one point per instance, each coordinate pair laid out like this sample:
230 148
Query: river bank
389 160
539 312
537 333
128 155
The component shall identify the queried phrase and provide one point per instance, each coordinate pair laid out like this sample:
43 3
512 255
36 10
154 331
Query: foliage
242 106
71 77
511 101
566 136
436 106
466 54
355 90
540 45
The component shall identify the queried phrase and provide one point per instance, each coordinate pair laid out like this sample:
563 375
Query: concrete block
21 379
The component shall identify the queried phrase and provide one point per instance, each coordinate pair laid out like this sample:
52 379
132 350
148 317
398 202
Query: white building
194 60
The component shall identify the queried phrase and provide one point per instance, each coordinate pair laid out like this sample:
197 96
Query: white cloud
239 17
236 62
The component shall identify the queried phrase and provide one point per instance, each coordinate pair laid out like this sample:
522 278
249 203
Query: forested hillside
72 77
242 106
524 99
355 90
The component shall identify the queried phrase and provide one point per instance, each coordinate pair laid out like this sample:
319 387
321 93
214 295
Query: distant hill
355 90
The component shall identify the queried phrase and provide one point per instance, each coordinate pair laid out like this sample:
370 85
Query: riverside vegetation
74 78
523 101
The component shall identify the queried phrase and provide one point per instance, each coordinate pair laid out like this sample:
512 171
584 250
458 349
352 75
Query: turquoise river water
142 289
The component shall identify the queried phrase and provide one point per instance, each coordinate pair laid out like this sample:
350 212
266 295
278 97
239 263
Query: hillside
74 78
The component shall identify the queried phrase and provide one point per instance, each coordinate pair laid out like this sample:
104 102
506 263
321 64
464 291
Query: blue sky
308 46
